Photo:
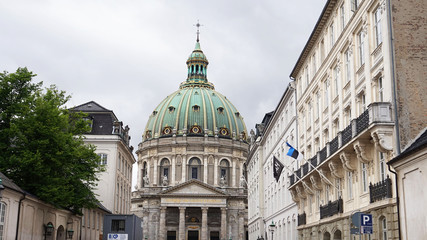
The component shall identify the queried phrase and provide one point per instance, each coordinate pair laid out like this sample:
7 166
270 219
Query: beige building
269 200
191 164
112 142
411 166
24 216
359 96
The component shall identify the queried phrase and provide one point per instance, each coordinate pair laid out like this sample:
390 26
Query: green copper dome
196 108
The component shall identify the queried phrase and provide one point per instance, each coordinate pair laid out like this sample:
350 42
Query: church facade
191 163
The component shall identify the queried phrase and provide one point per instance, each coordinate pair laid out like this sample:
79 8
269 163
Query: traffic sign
366 220
367 229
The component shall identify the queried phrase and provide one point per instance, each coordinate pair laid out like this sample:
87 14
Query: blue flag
293 152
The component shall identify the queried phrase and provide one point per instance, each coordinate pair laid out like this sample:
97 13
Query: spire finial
198 25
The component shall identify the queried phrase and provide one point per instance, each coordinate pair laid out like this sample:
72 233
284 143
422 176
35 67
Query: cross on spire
198 25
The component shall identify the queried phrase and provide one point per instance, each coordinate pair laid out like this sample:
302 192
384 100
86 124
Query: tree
42 143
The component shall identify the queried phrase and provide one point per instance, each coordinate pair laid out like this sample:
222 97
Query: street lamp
272 227
48 229
260 238
70 233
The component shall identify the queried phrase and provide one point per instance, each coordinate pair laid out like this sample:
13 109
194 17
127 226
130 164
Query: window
118 226
380 89
318 104
338 188
327 189
103 160
336 80
326 94
383 228
314 64
196 108
307 77
360 38
382 166
318 198
348 65
194 168
377 27
332 34
342 17
164 170
310 207
2 219
224 166
354 5
350 185
364 177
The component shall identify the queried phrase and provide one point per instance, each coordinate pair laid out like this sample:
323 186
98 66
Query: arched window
224 172
2 218
164 169
195 169
144 174
383 228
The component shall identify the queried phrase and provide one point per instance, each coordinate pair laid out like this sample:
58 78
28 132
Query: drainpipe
19 215
396 120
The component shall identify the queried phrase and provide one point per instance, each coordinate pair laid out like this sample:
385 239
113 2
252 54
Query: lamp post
260 238
272 227
48 229
70 233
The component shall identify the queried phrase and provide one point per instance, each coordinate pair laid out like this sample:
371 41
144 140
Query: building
191 163
24 216
269 200
359 95
112 142
122 226
411 166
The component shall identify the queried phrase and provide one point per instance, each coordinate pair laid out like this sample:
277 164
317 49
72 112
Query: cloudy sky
128 55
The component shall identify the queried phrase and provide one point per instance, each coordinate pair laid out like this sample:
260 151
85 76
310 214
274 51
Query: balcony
380 190
331 208
302 219
377 114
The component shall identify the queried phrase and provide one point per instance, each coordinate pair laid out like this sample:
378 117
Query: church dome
196 109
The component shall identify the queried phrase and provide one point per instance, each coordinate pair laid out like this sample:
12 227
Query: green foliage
42 148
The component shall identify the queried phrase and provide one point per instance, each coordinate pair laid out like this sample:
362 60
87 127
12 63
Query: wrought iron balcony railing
331 208
380 190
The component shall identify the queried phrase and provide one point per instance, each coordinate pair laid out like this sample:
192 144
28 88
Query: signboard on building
117 236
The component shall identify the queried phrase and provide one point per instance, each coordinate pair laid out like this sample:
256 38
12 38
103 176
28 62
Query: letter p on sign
366 219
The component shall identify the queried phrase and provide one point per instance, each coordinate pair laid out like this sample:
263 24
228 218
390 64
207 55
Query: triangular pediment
193 187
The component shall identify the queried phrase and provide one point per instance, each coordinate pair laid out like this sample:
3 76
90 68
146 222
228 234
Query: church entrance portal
171 235
193 235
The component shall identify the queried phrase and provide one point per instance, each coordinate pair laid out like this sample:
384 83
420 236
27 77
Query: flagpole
321 174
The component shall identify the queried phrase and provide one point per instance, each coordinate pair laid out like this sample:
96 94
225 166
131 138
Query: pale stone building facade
269 200
112 142
191 164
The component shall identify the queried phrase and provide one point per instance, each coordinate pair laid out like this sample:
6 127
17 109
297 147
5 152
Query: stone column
155 179
204 223
205 168
162 224
233 183
216 171
184 168
223 234
181 230
172 173
241 225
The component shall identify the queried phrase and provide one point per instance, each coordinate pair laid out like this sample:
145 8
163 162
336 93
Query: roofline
314 35
409 151
106 110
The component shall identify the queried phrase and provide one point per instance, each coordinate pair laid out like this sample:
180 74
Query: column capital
162 208
205 208
182 208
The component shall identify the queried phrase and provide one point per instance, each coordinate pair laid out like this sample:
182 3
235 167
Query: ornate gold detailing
167 130
196 129
224 131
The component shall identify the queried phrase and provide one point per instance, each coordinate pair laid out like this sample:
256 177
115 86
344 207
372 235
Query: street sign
355 219
367 230
366 220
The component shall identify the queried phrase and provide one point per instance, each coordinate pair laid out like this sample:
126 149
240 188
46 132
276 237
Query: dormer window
220 110
171 109
196 108
237 114
154 113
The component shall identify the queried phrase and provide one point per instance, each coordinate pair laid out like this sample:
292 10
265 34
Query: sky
129 55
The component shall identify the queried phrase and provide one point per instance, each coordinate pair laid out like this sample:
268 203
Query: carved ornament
334 170
346 162
360 150
315 183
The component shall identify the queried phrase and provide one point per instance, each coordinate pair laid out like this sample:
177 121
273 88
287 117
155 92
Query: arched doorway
60 234
337 235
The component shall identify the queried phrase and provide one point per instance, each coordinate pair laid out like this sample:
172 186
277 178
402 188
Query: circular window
224 131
